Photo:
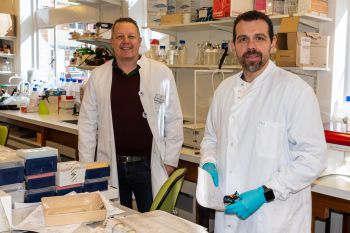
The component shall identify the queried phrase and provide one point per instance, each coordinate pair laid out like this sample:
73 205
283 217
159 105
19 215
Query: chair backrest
4 133
167 195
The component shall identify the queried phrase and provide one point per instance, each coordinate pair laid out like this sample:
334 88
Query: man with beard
264 138
131 112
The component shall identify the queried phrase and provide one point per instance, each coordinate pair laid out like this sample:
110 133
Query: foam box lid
9 160
12 187
37 152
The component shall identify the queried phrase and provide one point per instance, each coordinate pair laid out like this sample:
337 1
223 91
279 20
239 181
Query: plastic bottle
34 100
207 58
182 53
162 54
172 54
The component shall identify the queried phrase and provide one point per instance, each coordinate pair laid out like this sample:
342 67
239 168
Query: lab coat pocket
269 138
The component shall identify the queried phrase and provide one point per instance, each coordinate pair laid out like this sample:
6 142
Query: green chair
4 133
167 195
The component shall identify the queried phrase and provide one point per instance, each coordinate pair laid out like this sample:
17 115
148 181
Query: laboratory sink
71 121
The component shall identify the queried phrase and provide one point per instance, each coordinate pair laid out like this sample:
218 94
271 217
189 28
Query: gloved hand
248 203
211 169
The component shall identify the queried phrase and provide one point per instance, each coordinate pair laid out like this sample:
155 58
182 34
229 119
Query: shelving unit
83 67
7 40
226 24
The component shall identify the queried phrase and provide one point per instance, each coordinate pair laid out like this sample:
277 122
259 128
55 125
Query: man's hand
211 169
248 203
169 169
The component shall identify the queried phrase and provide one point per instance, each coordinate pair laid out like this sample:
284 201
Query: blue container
11 175
41 182
96 185
40 165
97 173
35 195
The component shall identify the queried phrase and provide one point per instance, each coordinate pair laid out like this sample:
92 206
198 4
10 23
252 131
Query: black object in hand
230 199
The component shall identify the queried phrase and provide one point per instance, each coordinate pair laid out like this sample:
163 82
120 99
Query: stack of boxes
12 176
96 176
70 177
40 169
30 174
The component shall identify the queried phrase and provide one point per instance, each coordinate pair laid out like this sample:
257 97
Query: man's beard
252 66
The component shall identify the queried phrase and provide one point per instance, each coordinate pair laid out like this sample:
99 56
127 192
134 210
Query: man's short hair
125 20
251 16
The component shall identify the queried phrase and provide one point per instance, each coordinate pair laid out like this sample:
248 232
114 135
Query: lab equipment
182 53
249 202
211 169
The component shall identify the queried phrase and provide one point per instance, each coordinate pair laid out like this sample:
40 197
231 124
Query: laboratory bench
51 129
332 190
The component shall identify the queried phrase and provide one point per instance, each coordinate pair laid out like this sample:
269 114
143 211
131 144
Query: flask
162 54
182 53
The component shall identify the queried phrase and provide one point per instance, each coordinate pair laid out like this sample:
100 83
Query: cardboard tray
85 207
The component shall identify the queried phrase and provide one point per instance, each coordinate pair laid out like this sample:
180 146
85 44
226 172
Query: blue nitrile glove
211 169
248 203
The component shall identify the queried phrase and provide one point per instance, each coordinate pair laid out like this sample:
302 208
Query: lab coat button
230 171
144 115
140 93
229 226
231 144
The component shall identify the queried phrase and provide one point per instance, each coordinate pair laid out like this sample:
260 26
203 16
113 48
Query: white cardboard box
5 212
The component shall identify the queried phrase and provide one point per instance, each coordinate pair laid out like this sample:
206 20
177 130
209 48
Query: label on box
305 44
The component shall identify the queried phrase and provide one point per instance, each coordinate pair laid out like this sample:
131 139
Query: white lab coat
271 136
162 109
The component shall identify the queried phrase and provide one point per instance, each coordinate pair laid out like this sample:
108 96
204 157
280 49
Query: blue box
11 175
35 195
94 185
41 182
97 173
63 191
40 165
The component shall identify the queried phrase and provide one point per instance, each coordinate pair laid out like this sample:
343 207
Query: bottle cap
155 41
347 98
182 42
162 47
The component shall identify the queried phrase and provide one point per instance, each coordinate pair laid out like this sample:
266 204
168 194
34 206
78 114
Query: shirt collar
130 74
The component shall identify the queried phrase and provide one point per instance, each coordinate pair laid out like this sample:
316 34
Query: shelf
8 55
238 67
97 42
226 24
209 67
98 2
7 38
83 67
7 73
306 68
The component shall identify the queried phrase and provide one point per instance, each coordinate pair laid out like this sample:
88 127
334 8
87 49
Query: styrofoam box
16 191
157 5
11 169
153 18
69 173
37 152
